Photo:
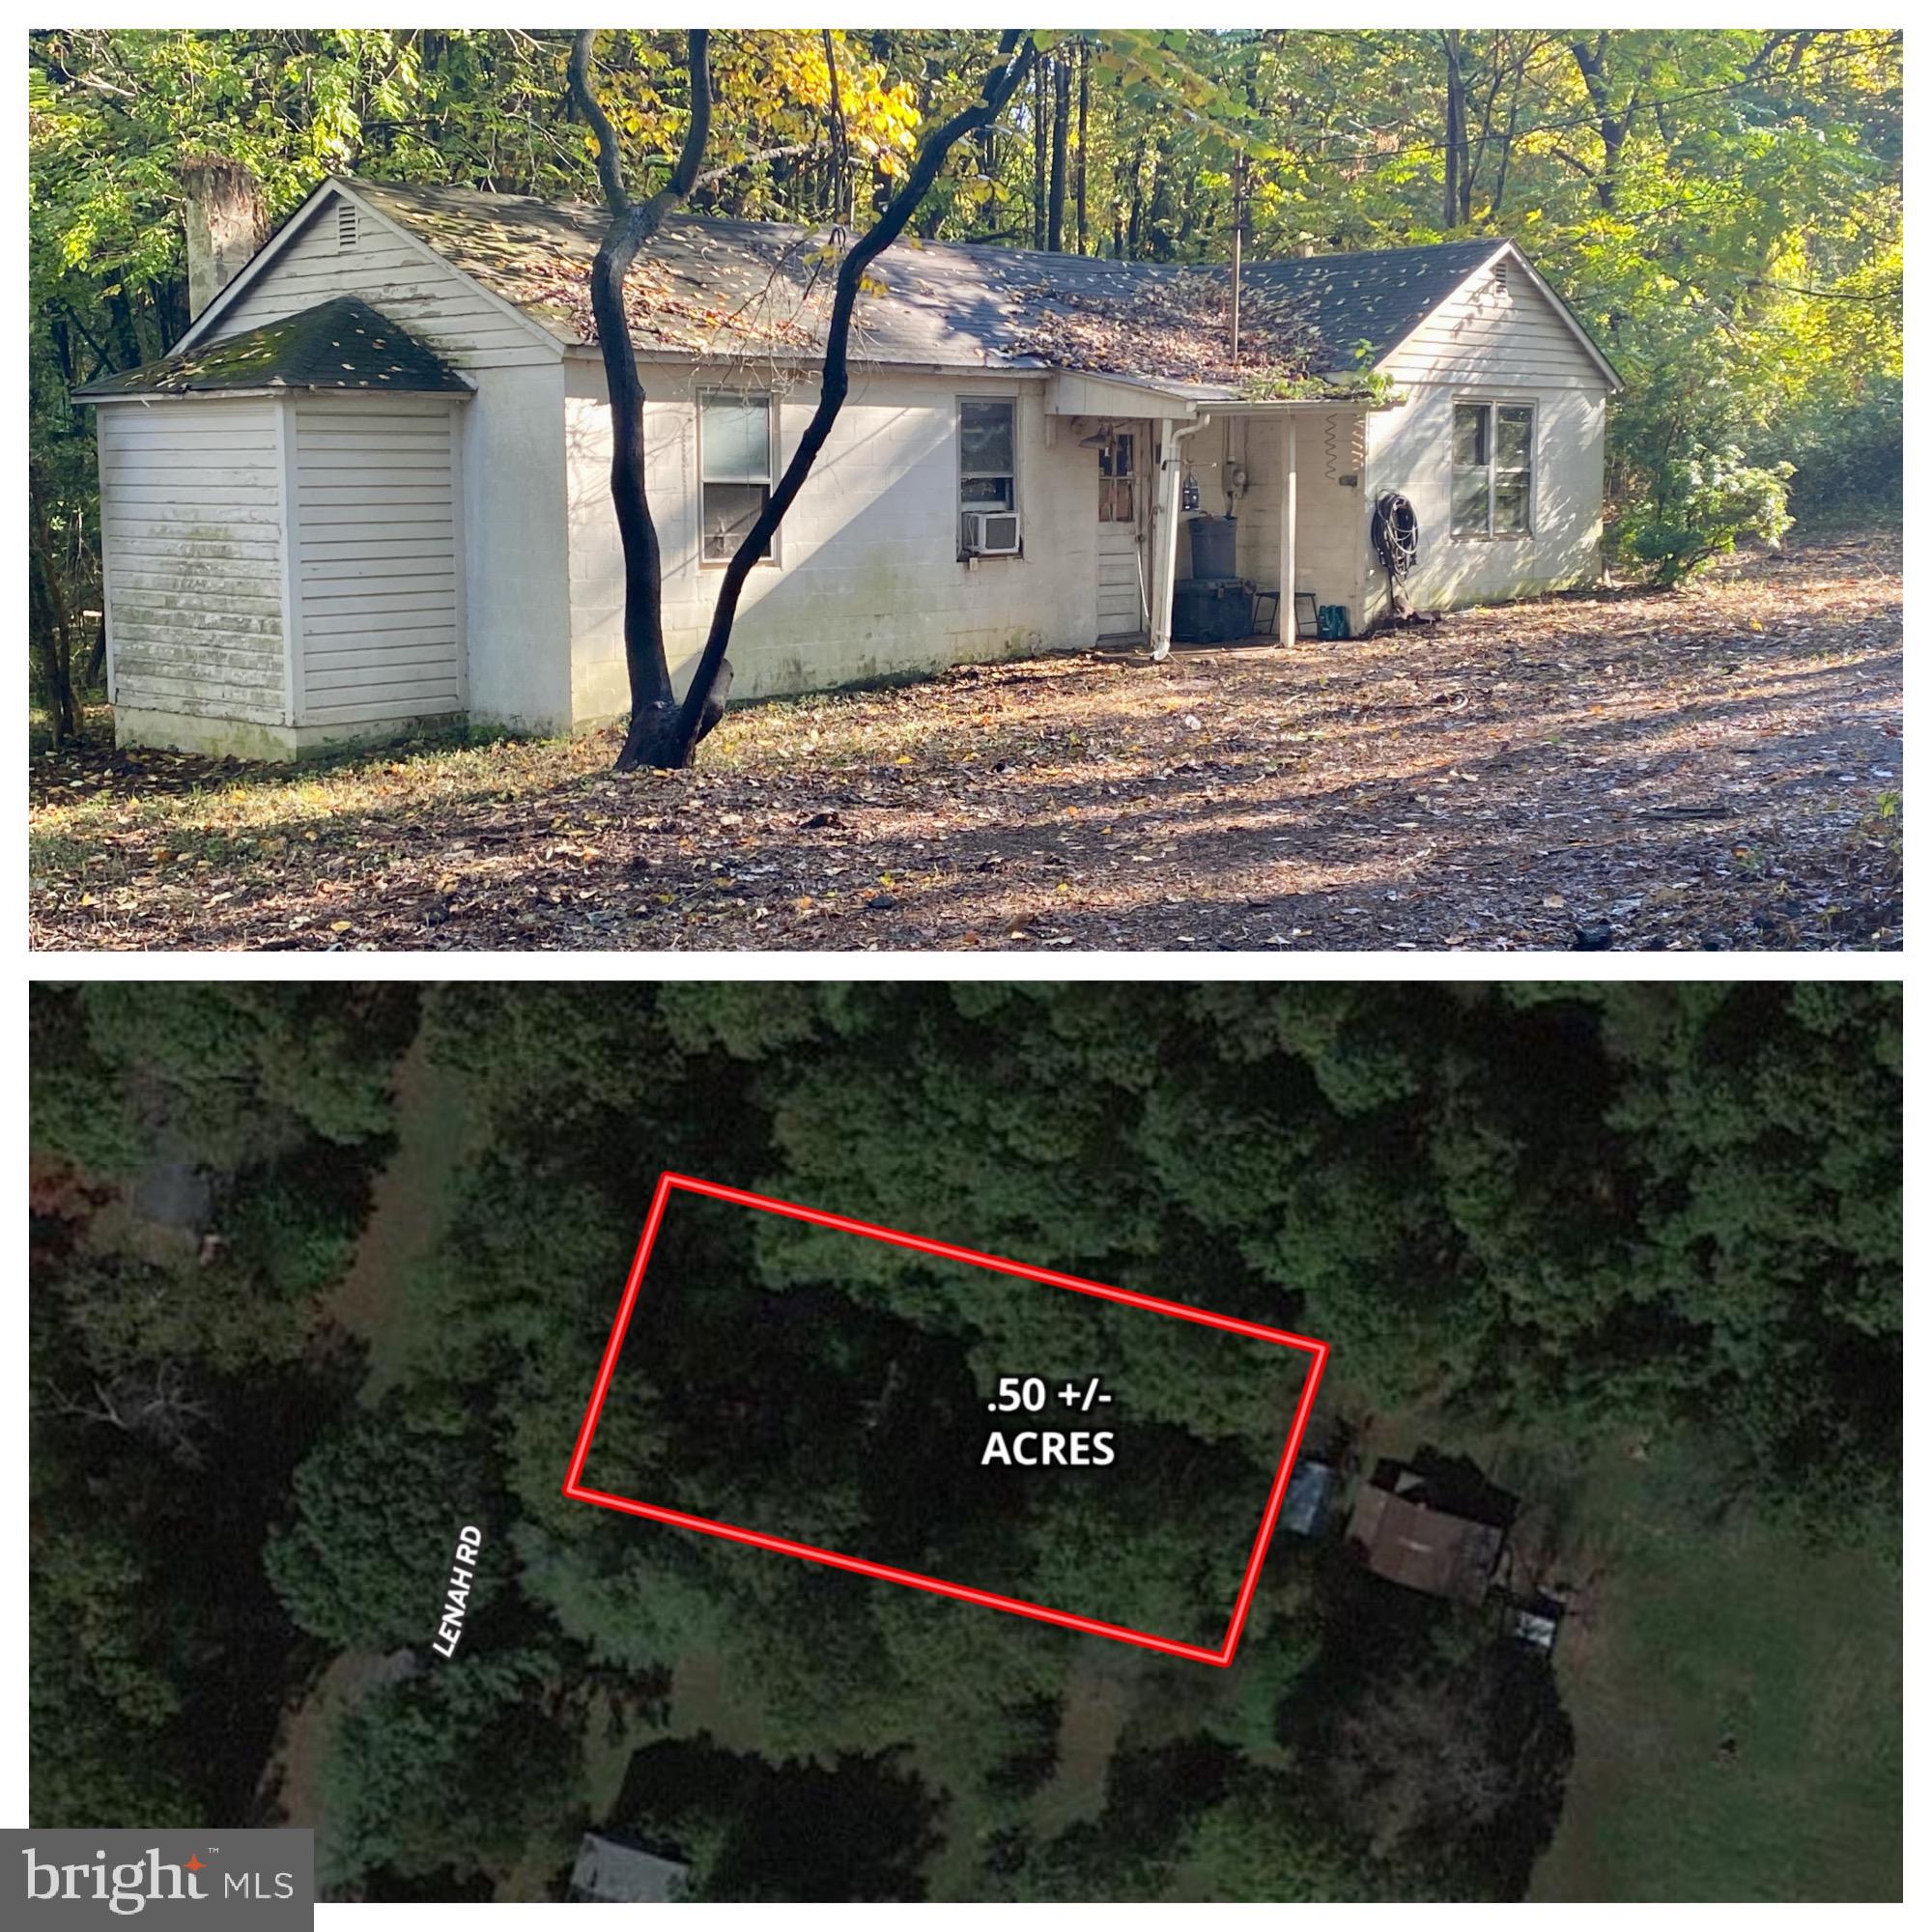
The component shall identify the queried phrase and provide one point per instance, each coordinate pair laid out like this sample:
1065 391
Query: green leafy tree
459 1766
109 1682
365 1559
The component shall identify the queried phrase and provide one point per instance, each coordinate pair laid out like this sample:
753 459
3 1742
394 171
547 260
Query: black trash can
1211 610
1214 542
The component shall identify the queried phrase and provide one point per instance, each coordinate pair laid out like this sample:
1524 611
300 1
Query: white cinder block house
370 485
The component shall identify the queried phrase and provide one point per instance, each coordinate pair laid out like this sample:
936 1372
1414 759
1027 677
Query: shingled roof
340 344
1377 296
730 287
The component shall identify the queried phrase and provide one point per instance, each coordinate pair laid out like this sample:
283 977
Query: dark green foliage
235 1060
229 1131
294 1226
859 1828
201 1158
224 1075
1769 1133
377 1505
1154 1799
157 1650
78 1112
1563 1217
109 1679
1850 459
456 1767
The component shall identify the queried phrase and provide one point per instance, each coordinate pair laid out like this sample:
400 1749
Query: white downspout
1284 607
1161 630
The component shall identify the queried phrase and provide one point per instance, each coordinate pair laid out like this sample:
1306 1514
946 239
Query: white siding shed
376 539
195 560
283 518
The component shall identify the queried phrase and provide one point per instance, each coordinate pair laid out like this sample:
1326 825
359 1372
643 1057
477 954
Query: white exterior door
1119 546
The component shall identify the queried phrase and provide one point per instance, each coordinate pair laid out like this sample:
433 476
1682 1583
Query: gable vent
347 214
1502 278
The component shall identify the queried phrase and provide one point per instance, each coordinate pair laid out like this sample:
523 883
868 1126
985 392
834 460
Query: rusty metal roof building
1424 1549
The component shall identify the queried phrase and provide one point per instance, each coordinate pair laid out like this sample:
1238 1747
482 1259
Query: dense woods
1585 1223
1722 207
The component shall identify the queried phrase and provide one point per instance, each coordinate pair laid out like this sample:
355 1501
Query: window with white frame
989 522
1492 459
734 455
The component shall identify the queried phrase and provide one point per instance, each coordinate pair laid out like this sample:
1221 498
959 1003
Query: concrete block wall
1331 534
867 581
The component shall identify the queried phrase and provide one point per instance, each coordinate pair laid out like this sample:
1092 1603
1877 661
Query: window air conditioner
990 533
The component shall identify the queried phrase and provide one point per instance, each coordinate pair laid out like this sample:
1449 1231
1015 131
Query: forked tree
663 733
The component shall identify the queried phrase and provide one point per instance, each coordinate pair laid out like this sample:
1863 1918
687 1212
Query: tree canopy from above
1618 1265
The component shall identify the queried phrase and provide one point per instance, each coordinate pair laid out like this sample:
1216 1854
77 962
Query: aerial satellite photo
975 1442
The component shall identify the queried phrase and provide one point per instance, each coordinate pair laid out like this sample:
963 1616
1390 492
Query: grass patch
231 812
1738 1702
385 1296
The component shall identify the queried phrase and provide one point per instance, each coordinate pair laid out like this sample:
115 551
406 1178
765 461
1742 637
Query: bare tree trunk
1240 182
1507 144
1612 128
1080 164
1056 191
1476 147
53 633
704 700
1455 139
130 352
653 702
841 159
1039 155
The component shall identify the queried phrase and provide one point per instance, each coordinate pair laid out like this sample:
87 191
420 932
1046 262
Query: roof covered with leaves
340 344
737 288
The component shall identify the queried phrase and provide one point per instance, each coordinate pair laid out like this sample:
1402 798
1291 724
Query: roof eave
1281 406
215 391
698 358
175 396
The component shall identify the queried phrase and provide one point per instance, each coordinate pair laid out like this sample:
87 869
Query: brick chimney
225 223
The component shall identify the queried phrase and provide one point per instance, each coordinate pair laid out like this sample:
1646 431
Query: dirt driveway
1718 767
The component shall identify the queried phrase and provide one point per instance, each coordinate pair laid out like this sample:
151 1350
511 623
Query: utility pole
1240 216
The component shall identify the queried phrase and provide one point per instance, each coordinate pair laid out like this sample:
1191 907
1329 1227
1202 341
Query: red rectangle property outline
573 1483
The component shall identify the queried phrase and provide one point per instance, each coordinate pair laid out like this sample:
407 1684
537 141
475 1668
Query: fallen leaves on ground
1717 767
1176 327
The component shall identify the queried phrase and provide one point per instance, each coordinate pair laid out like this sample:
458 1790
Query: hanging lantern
1190 492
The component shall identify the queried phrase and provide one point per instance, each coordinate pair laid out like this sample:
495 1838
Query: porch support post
1285 609
1167 539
